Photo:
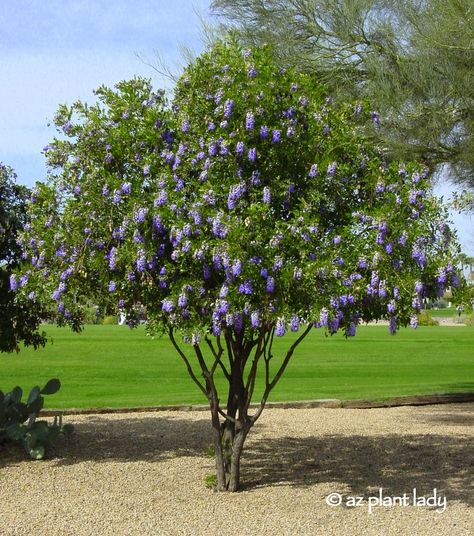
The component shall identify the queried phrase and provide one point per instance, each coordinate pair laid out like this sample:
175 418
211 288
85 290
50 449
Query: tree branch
188 364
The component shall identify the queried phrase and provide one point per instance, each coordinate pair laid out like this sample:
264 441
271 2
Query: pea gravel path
143 474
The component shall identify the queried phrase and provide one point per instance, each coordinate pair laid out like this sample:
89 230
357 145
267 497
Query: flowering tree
249 208
17 323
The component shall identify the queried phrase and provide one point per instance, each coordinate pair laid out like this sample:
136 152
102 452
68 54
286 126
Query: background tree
249 208
17 323
413 61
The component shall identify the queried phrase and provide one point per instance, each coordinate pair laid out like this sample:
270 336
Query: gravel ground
143 474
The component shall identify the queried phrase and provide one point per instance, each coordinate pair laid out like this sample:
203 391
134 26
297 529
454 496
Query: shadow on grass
356 464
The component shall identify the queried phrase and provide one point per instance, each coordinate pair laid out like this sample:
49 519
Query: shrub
110 320
469 320
18 420
441 303
425 319
91 316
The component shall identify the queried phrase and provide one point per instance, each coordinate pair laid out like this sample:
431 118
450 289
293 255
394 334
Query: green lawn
448 312
113 366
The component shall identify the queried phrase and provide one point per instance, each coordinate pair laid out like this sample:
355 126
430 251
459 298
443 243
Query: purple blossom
213 151
380 188
237 268
419 257
351 330
331 171
276 135
112 258
228 107
249 121
32 295
313 171
280 327
392 326
13 282
294 323
391 307
252 154
182 300
140 215
146 170
121 304
442 276
141 261
161 199
238 322
167 306
266 195
277 264
218 228
414 321
418 287
56 295
239 148
112 286
246 287
255 319
211 126
117 197
252 72
362 263
263 132
389 248
270 285
416 304
185 125
375 118
324 316
402 240
334 325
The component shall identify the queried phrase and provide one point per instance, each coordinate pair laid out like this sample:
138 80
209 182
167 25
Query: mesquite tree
248 208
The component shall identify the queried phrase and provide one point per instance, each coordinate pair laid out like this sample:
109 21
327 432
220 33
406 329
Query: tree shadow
359 464
396 463
458 415
149 438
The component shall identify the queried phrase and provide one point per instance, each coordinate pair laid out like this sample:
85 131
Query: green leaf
41 430
33 396
16 394
16 431
37 453
51 387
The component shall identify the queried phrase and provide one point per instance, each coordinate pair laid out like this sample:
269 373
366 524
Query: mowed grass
112 366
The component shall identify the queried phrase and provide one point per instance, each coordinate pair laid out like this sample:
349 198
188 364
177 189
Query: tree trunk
229 445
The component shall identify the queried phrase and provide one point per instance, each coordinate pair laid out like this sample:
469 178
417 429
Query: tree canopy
17 322
249 207
413 61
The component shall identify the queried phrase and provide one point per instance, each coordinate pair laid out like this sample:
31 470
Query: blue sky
54 51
